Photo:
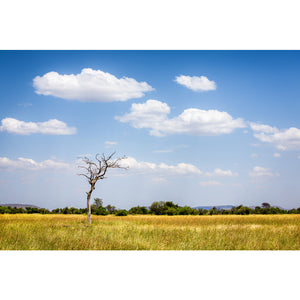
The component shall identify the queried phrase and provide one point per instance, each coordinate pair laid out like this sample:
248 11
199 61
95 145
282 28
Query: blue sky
198 127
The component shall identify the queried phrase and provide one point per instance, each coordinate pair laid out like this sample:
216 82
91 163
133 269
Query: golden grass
72 232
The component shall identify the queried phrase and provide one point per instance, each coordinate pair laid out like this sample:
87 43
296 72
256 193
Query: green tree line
156 208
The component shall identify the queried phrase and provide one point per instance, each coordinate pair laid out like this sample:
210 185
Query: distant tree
171 204
171 211
110 208
194 211
121 212
265 205
98 202
74 211
139 210
4 210
83 210
201 211
96 171
13 210
101 211
213 211
243 211
158 208
65 211
21 210
186 210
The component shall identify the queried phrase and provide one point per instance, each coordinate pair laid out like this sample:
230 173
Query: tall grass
71 232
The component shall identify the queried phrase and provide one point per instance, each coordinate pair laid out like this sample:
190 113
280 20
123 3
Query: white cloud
195 83
210 183
29 164
90 86
162 169
284 139
153 115
277 154
254 155
53 127
220 172
132 163
181 168
260 171
263 128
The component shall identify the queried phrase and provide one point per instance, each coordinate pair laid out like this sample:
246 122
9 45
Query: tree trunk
88 201
89 207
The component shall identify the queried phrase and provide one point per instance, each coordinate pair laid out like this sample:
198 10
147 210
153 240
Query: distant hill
19 205
218 207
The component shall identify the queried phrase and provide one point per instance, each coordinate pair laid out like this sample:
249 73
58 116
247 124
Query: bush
171 211
101 211
110 208
186 210
65 211
121 212
4 210
194 211
139 210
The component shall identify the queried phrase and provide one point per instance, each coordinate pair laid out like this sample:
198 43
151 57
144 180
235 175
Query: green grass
72 232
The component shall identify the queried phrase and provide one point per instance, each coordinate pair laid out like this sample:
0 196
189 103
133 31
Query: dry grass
71 232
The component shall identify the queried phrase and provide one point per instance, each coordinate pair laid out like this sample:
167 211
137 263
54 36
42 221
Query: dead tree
96 170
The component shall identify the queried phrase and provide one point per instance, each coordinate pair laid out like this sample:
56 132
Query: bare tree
96 170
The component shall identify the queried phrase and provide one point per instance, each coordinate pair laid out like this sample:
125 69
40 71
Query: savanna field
72 232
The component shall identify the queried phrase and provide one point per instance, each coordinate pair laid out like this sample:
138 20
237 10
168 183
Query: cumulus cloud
29 164
260 171
180 168
195 83
163 169
210 183
284 139
263 128
220 172
90 86
277 154
153 115
52 127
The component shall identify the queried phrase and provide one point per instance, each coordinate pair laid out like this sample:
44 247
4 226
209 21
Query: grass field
72 232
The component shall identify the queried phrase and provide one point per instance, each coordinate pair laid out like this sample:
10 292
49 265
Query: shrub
186 210
101 211
139 210
4 210
171 211
158 208
121 212
110 208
